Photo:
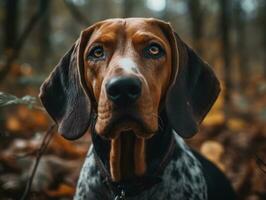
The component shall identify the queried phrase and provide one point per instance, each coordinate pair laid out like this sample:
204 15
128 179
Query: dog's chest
182 179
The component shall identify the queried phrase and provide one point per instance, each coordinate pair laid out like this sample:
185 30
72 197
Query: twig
15 53
261 164
79 17
45 142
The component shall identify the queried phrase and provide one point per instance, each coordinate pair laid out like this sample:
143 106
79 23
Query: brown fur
115 154
139 156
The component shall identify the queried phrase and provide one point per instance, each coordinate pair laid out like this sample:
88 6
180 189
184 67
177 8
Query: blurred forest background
34 34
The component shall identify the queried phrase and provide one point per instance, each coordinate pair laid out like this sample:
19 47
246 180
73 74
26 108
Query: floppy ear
63 96
193 90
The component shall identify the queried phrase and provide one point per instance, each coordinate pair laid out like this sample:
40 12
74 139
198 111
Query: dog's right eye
96 53
153 51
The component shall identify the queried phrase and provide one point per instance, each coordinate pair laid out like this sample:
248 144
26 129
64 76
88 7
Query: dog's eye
153 50
96 53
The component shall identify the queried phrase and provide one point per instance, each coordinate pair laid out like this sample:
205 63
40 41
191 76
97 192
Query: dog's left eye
96 53
153 50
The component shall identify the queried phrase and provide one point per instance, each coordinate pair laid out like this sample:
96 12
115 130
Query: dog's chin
114 128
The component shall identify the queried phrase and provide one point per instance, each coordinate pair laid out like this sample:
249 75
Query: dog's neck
128 157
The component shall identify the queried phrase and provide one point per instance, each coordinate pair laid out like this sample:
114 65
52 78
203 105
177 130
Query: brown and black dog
133 83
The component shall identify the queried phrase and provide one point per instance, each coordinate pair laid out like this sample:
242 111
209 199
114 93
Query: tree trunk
11 24
241 45
262 24
196 16
127 8
225 22
44 33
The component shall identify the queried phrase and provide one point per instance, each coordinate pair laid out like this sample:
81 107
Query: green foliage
8 99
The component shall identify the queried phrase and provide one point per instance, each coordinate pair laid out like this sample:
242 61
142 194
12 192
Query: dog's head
126 72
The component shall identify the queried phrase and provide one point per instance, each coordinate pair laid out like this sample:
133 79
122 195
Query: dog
138 89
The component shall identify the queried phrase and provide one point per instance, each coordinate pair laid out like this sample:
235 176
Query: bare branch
45 142
261 164
15 53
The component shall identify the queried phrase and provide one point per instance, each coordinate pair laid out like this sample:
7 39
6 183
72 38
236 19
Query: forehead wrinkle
121 36
120 28
105 38
142 37
106 32
112 26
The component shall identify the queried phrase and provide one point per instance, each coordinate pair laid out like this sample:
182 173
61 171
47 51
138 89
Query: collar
133 187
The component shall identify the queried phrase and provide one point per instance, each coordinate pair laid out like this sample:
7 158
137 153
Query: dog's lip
119 119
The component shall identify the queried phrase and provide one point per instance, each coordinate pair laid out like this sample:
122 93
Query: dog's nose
123 90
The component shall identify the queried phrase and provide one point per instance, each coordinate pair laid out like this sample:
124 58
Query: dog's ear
193 90
63 96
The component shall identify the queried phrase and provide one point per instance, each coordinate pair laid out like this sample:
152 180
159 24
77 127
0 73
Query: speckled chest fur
181 179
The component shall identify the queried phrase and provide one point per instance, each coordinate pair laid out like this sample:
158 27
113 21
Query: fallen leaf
215 118
236 124
13 123
213 151
63 190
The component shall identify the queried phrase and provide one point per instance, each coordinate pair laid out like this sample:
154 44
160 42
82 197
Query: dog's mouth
123 123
